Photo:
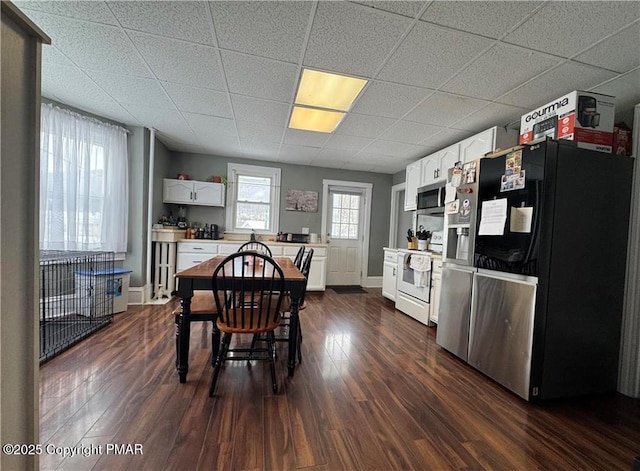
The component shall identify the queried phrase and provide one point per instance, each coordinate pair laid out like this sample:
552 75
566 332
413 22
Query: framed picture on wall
300 200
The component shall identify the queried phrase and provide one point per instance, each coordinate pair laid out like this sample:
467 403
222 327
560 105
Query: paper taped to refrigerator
521 219
493 217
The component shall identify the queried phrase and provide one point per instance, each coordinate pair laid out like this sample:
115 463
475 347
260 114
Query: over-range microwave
430 199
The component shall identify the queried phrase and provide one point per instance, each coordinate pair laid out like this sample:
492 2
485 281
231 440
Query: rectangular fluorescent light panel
325 90
314 119
331 92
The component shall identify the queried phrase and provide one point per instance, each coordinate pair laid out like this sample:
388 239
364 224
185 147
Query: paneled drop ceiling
219 78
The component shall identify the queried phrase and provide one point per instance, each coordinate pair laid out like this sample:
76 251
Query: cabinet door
429 167
208 194
447 159
412 183
435 299
476 146
389 281
177 191
317 274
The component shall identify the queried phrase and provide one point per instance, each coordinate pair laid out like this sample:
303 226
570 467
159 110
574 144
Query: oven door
406 280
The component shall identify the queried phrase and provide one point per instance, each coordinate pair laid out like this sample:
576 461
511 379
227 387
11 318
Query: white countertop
239 242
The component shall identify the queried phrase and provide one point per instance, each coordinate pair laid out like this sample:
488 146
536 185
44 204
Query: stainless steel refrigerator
550 252
457 259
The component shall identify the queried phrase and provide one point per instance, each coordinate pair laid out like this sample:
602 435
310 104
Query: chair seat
202 303
247 329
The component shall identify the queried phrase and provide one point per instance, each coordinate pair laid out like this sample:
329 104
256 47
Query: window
255 198
83 183
345 216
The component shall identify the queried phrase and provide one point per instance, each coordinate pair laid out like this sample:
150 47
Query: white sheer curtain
84 184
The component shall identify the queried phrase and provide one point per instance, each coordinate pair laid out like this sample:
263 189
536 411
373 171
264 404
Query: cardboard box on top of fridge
584 117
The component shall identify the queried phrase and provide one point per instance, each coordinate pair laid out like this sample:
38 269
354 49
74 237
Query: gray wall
19 224
138 148
296 177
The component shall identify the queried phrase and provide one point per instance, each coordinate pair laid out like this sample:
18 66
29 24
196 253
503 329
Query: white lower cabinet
193 253
436 282
318 270
389 270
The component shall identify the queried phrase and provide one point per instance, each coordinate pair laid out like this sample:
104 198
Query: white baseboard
139 294
373 282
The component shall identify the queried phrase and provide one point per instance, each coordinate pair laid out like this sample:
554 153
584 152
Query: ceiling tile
167 19
71 83
362 125
406 131
349 144
271 29
92 45
410 9
261 150
492 19
225 148
298 137
442 109
260 77
625 88
199 100
181 62
615 53
495 114
352 39
50 55
95 11
260 111
389 99
448 137
132 90
487 77
300 155
168 122
259 131
571 27
213 127
413 63
549 85
392 148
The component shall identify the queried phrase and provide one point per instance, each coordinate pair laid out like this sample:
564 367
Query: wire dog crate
75 298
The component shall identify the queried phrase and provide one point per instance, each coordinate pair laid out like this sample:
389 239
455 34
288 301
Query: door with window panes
345 235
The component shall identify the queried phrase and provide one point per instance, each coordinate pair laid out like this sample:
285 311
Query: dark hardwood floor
374 391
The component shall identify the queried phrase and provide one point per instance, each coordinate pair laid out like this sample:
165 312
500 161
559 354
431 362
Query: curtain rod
86 118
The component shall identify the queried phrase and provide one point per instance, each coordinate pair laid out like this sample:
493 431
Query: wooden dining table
200 277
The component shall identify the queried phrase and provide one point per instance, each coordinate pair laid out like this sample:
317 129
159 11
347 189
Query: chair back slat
306 267
247 287
256 246
299 256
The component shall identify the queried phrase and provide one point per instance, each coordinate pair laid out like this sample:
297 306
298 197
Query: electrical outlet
305 230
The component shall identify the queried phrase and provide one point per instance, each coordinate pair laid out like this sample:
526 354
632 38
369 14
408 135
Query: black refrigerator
550 253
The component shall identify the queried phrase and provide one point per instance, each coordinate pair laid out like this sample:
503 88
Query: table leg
296 294
183 333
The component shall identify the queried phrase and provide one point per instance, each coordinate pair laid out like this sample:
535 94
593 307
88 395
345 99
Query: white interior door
345 235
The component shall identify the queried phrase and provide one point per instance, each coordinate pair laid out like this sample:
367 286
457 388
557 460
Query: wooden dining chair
285 314
257 246
248 290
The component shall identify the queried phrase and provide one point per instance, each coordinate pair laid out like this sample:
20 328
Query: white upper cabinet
476 146
193 192
434 167
412 182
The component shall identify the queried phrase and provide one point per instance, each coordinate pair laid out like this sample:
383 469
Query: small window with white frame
253 203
